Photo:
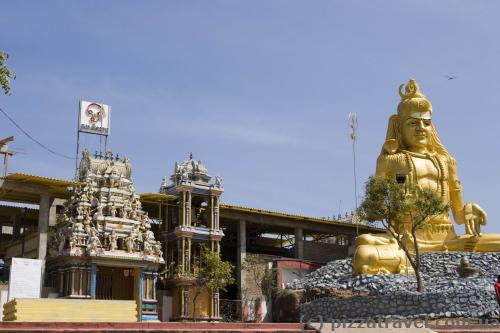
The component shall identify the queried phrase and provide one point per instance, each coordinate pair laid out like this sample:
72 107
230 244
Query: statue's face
416 132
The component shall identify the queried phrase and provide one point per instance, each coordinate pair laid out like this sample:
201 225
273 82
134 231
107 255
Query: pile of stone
439 272
446 294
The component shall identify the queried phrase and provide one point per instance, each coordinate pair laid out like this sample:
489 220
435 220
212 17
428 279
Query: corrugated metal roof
41 180
292 216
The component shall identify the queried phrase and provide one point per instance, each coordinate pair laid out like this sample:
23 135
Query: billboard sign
94 118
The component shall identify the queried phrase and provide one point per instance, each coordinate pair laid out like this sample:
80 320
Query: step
150 327
468 329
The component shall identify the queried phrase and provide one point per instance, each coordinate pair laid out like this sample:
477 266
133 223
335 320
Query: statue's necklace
431 157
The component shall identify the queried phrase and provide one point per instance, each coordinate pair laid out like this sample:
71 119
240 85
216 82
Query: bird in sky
450 77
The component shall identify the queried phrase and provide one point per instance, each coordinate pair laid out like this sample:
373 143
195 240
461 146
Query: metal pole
78 139
354 126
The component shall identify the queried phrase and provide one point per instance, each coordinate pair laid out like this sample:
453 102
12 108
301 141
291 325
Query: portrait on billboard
94 118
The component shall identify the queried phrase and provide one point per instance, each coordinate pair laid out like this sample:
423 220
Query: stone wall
323 252
460 303
445 295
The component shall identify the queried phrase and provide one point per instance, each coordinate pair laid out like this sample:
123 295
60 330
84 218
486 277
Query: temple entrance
114 283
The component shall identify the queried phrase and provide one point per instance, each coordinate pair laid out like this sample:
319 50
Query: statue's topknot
412 100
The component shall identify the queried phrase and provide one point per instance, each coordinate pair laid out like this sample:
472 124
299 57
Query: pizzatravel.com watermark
426 322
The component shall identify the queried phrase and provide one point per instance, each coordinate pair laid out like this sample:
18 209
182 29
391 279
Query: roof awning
156 197
20 187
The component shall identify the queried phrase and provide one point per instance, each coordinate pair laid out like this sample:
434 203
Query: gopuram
413 154
193 226
104 248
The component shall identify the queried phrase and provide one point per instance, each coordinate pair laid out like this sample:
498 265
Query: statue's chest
427 173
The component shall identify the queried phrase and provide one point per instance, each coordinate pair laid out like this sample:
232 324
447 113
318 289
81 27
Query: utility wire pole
4 150
353 123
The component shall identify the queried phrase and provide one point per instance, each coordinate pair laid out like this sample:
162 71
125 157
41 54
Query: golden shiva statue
413 150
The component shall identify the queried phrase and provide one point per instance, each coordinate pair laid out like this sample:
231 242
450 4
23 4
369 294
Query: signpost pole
77 139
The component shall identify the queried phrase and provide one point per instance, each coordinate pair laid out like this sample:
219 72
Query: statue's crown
412 100
412 90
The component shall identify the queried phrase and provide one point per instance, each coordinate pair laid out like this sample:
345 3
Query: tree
210 272
265 278
402 209
5 74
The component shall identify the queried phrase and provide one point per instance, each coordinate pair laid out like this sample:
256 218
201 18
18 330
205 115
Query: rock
444 290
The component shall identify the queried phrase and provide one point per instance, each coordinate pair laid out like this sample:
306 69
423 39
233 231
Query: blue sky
258 90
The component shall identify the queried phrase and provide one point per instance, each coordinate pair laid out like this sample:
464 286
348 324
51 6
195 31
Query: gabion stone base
394 296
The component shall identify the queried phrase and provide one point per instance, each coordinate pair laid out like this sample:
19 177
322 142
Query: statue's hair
394 132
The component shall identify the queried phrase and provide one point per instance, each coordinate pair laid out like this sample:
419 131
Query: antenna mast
353 123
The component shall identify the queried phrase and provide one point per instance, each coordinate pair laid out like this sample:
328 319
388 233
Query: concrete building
293 244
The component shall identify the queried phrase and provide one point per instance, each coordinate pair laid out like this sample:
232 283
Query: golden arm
456 198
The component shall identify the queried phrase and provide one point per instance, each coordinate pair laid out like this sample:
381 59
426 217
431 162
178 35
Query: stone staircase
153 327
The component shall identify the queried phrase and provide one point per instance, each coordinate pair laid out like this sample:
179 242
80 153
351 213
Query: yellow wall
202 305
70 310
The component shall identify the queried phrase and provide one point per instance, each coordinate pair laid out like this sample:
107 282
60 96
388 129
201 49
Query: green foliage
396 204
402 209
5 74
264 277
213 272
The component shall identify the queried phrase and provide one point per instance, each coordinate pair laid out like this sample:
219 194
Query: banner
94 118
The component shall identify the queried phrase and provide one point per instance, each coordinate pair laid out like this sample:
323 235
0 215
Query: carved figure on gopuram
413 152
104 216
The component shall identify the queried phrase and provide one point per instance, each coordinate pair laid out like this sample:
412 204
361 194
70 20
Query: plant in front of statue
5 74
211 273
403 209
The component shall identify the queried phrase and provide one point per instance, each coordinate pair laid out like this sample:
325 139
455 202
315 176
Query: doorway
114 283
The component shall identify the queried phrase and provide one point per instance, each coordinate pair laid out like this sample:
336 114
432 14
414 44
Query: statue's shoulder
390 163
450 162
391 158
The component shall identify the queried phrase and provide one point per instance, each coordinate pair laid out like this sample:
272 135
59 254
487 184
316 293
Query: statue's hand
474 217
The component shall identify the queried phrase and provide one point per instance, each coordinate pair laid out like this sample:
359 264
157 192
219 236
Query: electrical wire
33 139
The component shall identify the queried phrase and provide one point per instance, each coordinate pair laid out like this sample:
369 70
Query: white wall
4 291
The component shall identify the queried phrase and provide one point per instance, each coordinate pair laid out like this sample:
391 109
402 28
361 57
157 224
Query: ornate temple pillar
184 313
67 287
89 283
183 207
212 224
80 280
72 281
214 315
139 278
145 292
61 281
182 255
93 280
216 212
155 279
187 268
188 209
